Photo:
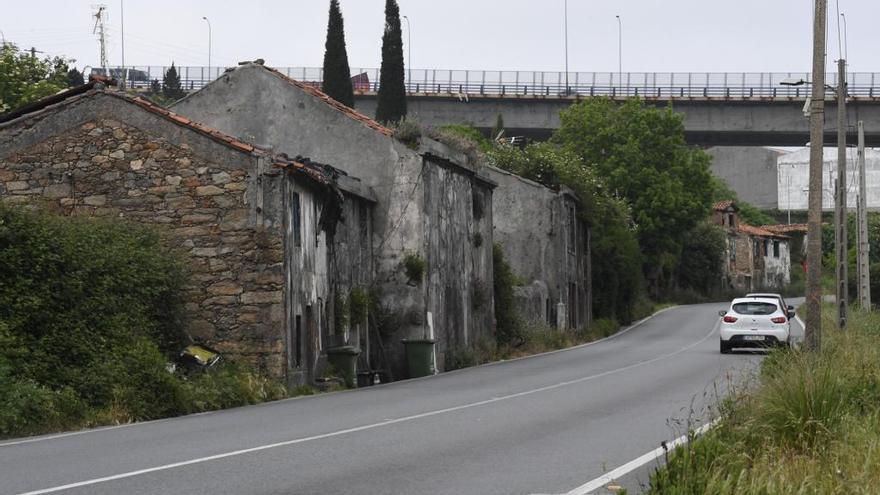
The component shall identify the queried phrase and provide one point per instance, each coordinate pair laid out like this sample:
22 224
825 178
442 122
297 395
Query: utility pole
864 245
99 29
840 227
813 330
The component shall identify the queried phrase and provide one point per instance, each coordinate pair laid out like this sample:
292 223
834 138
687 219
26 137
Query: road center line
380 424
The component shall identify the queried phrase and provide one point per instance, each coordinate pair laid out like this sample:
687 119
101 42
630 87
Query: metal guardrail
527 83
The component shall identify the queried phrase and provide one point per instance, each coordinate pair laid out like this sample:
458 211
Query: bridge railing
529 83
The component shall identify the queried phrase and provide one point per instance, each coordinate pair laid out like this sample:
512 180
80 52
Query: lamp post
408 52
566 46
209 45
619 50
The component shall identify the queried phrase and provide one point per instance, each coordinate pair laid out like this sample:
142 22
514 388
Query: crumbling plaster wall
532 223
257 105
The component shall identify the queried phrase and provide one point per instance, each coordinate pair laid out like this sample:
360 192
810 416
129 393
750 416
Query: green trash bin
344 359
419 357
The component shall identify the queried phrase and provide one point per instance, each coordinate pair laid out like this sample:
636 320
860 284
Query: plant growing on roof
414 267
337 74
391 106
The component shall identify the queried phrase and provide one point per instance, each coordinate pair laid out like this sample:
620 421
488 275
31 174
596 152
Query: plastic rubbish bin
344 359
419 357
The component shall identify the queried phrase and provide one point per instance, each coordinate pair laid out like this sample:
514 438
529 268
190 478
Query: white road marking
634 464
287 443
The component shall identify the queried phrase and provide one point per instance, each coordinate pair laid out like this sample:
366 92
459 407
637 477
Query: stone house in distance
258 227
756 258
548 245
432 206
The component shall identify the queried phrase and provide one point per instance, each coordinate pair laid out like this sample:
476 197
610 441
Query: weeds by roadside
811 426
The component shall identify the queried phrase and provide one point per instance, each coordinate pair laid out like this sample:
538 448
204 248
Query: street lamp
408 51
209 45
619 50
566 46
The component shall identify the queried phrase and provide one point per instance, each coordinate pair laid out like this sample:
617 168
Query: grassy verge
536 338
811 425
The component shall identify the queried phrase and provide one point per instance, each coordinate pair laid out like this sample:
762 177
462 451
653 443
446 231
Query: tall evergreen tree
337 75
171 88
392 91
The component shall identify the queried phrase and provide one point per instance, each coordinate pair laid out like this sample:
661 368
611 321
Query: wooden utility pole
840 210
864 245
813 330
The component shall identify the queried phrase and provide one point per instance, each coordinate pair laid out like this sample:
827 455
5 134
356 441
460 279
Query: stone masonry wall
106 168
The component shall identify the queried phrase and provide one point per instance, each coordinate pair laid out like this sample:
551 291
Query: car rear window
755 308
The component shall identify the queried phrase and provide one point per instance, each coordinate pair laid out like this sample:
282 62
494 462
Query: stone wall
106 168
546 245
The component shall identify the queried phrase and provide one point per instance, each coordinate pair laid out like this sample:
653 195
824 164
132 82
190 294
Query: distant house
268 237
756 258
432 236
547 245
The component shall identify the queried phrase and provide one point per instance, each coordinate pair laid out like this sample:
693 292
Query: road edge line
640 461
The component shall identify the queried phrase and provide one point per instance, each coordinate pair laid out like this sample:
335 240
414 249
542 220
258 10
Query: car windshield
754 308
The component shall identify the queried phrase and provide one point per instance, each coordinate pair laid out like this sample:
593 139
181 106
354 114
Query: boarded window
296 217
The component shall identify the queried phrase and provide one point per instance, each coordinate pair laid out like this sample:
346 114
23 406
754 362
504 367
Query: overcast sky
658 35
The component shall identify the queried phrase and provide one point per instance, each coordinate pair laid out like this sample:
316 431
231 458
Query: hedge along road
543 424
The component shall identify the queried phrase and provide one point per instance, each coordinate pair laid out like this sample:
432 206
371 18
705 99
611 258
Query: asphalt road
544 424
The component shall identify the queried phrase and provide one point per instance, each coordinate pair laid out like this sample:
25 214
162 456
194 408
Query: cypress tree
337 75
392 92
171 84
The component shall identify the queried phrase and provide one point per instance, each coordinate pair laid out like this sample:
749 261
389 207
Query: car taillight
729 319
778 319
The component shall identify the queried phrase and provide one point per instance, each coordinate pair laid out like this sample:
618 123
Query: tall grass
812 425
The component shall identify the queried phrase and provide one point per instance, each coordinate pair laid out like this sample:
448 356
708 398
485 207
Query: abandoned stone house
432 222
546 244
268 237
756 258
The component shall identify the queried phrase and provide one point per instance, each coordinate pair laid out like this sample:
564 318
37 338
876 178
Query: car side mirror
722 313
791 308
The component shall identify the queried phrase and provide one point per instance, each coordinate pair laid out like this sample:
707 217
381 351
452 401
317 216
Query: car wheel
725 347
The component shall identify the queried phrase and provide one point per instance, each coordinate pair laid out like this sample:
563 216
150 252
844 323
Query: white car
755 322
789 310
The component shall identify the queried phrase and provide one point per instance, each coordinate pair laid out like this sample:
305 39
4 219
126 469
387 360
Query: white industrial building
793 172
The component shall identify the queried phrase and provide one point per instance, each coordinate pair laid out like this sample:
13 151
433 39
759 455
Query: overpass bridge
728 109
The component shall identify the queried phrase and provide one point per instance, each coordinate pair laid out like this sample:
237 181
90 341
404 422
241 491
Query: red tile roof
317 93
758 231
787 228
180 119
319 174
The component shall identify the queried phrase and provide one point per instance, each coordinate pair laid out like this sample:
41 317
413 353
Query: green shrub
80 297
358 305
231 386
414 267
508 327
